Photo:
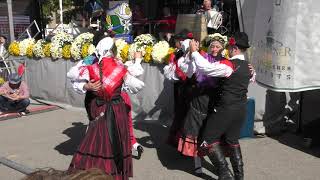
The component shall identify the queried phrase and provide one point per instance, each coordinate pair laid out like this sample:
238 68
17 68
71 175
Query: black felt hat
240 39
184 34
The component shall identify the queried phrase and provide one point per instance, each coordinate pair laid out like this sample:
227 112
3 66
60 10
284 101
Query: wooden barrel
196 23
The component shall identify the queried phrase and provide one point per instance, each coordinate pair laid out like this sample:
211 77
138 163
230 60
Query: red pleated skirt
95 151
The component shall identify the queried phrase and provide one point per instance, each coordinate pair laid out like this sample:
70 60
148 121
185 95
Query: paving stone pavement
49 140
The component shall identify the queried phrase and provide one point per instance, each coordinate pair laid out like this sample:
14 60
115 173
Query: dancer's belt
113 100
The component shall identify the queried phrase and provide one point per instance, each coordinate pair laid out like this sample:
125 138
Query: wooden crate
195 23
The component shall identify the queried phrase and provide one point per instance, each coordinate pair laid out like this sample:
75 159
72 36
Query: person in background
138 20
206 6
207 10
137 13
3 47
3 55
14 95
167 24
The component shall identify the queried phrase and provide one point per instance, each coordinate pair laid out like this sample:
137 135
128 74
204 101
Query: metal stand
299 121
16 166
28 31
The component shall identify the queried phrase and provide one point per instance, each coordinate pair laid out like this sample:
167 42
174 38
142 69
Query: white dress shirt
131 83
215 69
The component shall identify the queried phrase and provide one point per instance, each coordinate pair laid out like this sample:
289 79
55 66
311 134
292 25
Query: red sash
113 73
181 75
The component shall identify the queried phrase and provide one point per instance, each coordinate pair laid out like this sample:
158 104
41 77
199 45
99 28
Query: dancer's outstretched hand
194 45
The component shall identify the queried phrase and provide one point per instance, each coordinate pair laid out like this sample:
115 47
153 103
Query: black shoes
140 151
137 151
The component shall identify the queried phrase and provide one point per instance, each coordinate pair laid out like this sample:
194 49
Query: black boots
236 162
217 158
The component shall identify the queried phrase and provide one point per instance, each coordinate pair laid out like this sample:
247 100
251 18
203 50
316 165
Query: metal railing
16 166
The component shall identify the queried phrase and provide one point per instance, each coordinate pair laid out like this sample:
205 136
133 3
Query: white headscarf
104 48
185 45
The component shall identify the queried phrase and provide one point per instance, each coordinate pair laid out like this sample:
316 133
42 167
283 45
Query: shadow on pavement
297 142
305 115
76 134
169 157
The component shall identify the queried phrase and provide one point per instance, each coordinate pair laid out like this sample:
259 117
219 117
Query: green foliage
50 6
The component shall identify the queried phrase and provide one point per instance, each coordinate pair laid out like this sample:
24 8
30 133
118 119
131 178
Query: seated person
3 47
14 95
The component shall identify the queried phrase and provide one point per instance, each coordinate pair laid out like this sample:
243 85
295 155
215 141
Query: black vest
233 90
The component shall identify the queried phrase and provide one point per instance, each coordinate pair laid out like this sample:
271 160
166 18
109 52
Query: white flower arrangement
144 40
135 47
38 49
24 44
77 44
120 44
160 51
63 28
139 45
57 44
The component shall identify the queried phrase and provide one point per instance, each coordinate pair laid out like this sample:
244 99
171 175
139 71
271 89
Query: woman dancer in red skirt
106 144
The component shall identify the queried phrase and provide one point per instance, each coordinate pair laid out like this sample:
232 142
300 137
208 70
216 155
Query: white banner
285 42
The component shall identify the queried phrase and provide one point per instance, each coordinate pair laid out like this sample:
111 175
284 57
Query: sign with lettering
286 44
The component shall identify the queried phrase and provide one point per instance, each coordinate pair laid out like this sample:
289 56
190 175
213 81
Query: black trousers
225 123
8 105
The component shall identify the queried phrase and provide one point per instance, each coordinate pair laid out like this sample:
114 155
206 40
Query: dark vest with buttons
233 90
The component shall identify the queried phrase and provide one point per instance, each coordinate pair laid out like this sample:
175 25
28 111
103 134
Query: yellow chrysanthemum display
46 50
14 48
147 57
124 53
29 51
84 50
67 47
2 81
66 53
